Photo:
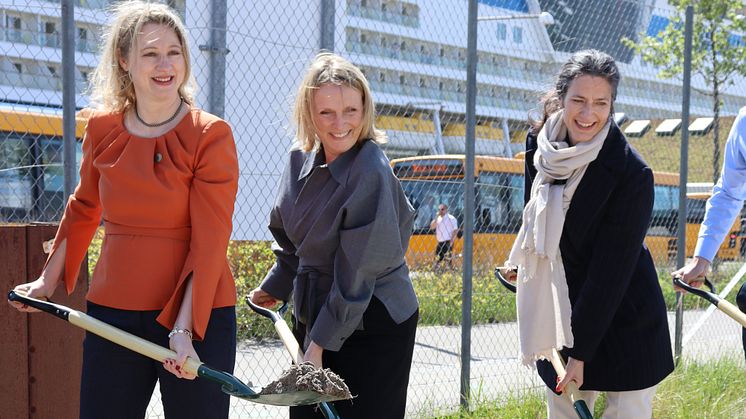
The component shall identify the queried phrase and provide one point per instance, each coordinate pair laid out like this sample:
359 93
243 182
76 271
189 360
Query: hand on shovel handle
283 331
507 275
581 408
726 307
510 273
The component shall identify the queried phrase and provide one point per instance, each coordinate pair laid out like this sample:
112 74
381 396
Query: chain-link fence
248 59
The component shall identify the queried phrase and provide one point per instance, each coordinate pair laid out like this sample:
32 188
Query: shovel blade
293 398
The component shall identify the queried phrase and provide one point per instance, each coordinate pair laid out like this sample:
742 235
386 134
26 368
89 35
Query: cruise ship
412 51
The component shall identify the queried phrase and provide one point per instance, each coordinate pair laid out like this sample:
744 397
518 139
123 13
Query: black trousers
118 383
443 250
741 300
374 363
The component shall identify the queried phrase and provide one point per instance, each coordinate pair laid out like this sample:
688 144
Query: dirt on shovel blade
305 377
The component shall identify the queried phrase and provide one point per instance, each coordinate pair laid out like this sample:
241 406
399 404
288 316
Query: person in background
162 174
445 226
723 207
587 285
341 224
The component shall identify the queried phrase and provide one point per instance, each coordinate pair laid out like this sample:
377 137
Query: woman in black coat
577 158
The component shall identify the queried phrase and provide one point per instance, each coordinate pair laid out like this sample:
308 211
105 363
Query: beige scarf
543 303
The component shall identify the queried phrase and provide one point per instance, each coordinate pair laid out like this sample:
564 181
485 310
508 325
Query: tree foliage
718 45
718 51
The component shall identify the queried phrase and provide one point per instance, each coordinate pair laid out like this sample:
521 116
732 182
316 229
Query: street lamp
545 18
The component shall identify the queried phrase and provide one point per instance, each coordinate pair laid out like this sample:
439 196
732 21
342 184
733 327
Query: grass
714 389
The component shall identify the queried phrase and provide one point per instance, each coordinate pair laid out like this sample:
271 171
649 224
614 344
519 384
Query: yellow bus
431 180
696 205
661 236
499 195
31 174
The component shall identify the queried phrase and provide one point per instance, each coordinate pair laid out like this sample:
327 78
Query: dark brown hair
588 62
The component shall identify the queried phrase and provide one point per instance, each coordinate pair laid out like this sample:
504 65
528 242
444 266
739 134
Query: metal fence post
468 253
68 97
218 51
327 25
681 248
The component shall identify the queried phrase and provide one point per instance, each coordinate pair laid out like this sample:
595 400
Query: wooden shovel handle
732 311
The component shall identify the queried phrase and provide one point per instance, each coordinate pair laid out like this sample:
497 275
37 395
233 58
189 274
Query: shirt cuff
277 283
706 248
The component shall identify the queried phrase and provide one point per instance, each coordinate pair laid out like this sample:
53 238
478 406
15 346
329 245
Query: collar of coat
599 181
339 168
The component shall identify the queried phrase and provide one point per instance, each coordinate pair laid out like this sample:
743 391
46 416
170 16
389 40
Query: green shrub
249 262
440 299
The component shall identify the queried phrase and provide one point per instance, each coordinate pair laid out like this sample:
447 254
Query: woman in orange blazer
162 175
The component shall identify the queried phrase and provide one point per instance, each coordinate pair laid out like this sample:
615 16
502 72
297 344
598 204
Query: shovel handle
106 331
286 336
290 343
288 339
581 408
711 296
733 312
507 284
229 383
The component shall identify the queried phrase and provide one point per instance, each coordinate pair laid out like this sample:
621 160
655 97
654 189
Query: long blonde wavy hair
111 87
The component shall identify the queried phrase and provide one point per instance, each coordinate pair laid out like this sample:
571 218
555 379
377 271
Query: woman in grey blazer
341 224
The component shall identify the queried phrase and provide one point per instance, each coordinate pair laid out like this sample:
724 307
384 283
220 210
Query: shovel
230 384
581 408
287 338
732 311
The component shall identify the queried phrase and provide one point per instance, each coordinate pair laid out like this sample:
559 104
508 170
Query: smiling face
156 64
337 113
587 106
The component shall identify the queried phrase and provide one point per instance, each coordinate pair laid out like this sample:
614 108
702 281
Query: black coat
619 319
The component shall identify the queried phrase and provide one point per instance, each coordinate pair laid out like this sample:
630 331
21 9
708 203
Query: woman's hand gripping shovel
581 408
287 338
732 311
230 384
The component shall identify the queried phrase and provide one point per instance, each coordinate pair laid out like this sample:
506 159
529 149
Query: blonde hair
331 68
111 86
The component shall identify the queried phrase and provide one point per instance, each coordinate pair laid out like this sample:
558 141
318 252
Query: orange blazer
167 204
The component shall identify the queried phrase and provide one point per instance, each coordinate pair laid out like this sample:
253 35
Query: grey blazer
341 231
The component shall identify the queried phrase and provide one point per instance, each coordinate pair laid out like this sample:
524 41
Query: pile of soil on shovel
305 377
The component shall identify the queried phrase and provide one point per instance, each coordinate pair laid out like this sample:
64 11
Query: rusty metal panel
55 347
14 383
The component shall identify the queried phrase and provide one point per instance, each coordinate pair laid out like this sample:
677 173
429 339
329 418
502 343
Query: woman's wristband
177 330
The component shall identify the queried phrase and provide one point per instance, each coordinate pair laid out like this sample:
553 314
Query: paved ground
435 379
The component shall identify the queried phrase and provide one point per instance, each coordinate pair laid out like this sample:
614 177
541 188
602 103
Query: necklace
160 124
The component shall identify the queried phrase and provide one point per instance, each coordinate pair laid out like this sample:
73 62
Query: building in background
408 63
31 51
412 51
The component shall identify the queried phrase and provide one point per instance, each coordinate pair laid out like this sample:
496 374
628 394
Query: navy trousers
375 364
118 383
